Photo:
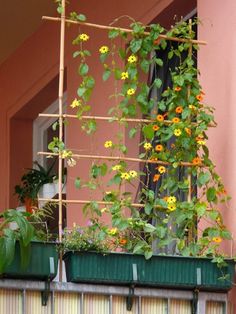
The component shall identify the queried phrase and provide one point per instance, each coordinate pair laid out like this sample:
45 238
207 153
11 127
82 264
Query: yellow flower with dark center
66 154
108 144
171 207
217 239
175 120
147 146
132 59
133 174
124 75
83 37
104 49
177 132
131 91
125 175
171 199
159 148
75 103
162 169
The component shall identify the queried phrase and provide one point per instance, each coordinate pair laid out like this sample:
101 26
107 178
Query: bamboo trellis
61 116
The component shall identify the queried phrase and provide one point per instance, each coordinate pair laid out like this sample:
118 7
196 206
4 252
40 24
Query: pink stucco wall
218 77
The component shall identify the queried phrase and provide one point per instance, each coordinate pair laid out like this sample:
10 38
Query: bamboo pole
127 30
191 230
119 158
104 203
168 122
60 99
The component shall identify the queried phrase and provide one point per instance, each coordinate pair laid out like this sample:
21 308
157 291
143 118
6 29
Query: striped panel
119 305
96 304
67 303
180 307
153 305
10 302
33 303
213 307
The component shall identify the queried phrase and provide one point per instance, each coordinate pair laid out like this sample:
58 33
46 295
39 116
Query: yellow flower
171 199
108 144
217 239
103 210
75 103
116 167
201 142
104 49
171 207
66 153
83 37
131 91
124 75
161 169
132 59
177 132
192 107
125 175
147 146
112 231
133 174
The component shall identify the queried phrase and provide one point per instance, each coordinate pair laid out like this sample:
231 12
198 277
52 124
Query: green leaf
148 254
106 74
211 194
83 69
113 33
81 91
203 178
77 183
159 62
138 247
157 82
132 132
149 228
148 131
148 208
135 45
76 54
81 17
145 65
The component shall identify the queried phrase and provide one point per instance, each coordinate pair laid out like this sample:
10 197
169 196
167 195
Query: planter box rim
230 260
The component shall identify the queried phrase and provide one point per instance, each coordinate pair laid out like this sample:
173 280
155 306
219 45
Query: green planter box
42 264
162 271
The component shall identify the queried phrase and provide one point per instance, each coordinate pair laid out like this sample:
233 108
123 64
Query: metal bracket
45 293
130 297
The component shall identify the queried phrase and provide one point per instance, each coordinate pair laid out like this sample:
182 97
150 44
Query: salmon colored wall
218 77
27 71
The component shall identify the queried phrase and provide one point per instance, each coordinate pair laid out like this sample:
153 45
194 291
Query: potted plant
22 255
36 180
